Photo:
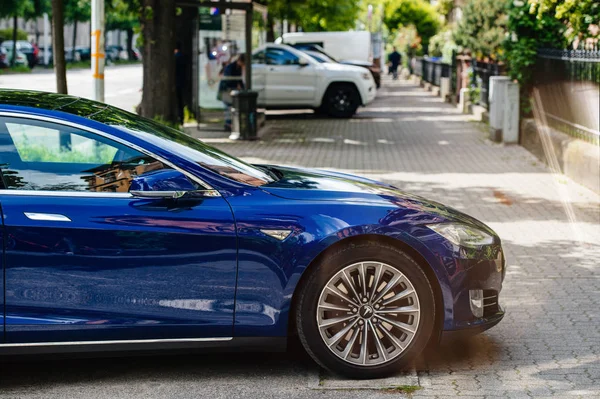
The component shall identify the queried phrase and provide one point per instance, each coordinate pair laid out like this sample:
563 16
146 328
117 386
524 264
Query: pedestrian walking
394 59
231 80
180 78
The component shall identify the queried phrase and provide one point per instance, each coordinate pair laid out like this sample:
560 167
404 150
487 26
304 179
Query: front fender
269 269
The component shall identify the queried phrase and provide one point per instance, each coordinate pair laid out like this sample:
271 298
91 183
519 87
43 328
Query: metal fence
482 71
432 71
574 65
568 83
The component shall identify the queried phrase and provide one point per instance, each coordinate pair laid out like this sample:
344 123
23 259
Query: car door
259 77
288 82
86 261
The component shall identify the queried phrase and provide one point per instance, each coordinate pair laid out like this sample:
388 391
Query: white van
341 45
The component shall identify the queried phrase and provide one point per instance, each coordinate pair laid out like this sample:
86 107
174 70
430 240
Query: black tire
341 100
319 276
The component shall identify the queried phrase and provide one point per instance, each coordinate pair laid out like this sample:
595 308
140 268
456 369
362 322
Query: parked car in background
25 48
114 53
340 45
119 53
6 58
321 55
3 59
288 78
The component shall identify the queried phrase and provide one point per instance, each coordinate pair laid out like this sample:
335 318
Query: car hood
360 63
320 185
330 66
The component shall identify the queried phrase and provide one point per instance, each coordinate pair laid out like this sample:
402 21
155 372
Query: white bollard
510 124
496 105
463 100
444 88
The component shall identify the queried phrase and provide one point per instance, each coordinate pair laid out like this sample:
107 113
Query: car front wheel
341 100
365 311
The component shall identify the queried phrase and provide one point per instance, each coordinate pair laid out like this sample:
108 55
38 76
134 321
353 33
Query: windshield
319 57
186 146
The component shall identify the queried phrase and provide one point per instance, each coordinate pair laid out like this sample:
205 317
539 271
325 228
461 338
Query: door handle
49 217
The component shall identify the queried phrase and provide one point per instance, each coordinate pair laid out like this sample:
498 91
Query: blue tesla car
122 234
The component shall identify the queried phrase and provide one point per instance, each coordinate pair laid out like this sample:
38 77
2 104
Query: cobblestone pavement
549 342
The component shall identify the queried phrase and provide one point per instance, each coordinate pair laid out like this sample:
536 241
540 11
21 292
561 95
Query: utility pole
98 56
46 40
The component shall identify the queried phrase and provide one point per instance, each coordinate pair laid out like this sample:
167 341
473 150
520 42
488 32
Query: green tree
327 15
528 32
123 15
313 15
77 11
15 9
419 13
483 27
578 15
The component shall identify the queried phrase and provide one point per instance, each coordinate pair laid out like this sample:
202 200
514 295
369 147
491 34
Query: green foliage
483 27
444 7
122 14
408 41
316 15
10 8
577 14
528 33
442 45
77 10
7 34
32 152
419 13
16 69
327 15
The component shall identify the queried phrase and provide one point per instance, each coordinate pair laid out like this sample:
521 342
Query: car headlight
462 235
366 76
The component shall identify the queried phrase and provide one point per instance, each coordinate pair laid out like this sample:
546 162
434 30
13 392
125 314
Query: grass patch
79 65
407 389
15 69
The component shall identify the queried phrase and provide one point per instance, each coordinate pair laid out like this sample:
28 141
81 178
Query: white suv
288 78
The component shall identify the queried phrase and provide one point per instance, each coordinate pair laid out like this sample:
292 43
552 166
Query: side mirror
303 62
164 183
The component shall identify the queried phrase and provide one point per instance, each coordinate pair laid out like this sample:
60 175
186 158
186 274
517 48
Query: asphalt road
122 83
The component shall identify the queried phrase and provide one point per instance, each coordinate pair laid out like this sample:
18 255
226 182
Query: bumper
367 91
485 273
478 327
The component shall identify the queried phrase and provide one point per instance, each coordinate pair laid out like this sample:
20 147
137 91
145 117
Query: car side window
276 56
44 156
259 58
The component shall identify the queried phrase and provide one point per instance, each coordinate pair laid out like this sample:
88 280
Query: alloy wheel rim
368 313
341 100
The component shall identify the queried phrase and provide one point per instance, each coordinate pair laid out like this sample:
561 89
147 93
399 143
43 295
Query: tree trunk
14 49
186 26
73 59
158 27
130 55
58 46
270 28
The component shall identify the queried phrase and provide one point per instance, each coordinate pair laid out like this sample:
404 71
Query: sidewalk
548 344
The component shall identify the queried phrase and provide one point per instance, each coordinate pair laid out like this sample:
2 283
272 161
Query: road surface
122 83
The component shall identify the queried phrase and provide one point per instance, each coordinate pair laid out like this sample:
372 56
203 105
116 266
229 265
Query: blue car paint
122 267
319 208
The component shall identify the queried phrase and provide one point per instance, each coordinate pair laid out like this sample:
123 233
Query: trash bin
243 115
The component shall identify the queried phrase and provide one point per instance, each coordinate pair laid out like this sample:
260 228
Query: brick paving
549 342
